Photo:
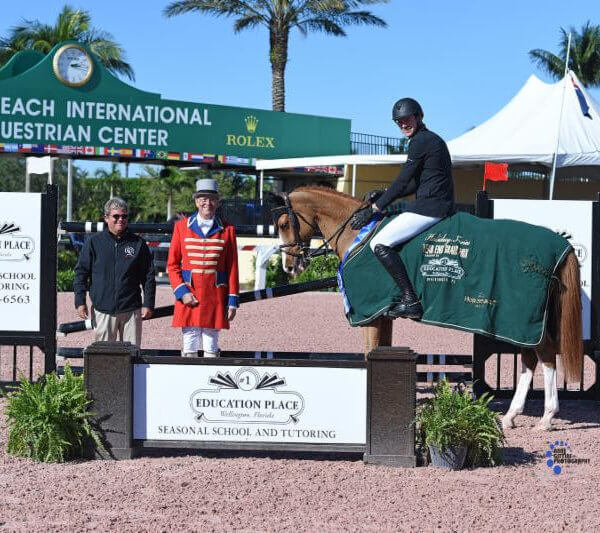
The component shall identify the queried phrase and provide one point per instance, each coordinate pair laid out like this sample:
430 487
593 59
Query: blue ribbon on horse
362 234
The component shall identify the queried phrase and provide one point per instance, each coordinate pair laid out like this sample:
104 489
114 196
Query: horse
301 214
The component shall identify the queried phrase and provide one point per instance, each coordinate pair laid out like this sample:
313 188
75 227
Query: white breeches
404 227
195 339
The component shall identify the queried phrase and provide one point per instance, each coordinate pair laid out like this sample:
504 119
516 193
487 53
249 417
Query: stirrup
412 310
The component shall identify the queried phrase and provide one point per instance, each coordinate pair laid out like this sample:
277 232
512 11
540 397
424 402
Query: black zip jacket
428 173
113 270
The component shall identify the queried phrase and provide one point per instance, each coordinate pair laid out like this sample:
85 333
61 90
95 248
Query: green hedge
320 267
64 280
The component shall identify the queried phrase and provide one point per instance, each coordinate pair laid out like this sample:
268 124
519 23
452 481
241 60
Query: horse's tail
570 324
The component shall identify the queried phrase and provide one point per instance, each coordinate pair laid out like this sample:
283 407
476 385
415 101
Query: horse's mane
325 190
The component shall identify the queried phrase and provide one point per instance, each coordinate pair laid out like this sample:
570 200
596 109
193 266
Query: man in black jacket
113 265
427 173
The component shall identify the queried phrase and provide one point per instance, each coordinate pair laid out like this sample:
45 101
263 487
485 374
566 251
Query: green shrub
324 266
275 274
67 259
454 417
64 280
48 421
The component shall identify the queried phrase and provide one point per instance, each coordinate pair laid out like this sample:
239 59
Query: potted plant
458 429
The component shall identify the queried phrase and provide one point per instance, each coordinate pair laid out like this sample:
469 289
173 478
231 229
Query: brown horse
309 209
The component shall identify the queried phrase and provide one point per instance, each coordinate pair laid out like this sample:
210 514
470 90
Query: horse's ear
274 200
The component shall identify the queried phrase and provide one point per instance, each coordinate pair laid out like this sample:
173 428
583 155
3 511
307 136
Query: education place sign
66 102
20 261
312 405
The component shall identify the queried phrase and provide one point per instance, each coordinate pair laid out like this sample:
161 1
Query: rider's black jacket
428 173
114 270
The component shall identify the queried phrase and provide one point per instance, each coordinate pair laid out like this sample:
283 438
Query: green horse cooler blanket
479 275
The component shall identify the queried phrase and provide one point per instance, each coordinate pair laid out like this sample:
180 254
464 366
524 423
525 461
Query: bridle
305 253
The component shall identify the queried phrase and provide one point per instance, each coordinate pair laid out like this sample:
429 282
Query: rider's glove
372 196
362 217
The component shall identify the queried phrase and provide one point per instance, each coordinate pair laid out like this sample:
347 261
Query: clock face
72 65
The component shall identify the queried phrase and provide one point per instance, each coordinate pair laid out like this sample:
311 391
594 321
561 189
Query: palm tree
112 178
280 17
172 181
584 57
71 24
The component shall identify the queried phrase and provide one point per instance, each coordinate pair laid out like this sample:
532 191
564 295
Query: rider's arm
408 180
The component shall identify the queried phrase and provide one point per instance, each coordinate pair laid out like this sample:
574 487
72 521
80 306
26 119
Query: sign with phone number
20 234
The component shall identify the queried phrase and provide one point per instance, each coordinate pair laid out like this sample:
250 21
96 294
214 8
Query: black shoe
412 310
409 305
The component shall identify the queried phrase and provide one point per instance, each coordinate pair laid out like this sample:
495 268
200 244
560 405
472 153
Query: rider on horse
427 173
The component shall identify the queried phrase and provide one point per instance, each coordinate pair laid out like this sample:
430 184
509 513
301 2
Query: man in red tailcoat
203 271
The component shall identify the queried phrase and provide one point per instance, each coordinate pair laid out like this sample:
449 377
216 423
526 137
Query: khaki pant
128 326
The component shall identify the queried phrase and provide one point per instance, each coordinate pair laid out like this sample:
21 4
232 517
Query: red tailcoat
207 266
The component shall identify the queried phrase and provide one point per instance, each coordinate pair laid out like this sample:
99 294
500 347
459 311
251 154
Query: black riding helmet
406 107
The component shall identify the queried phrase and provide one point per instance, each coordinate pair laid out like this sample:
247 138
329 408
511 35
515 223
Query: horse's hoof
544 426
508 422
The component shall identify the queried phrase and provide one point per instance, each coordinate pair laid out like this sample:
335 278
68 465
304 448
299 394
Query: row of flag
133 153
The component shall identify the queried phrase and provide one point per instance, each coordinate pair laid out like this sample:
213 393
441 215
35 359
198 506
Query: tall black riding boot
409 305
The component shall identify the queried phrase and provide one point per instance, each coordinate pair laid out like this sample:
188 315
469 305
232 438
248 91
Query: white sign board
309 405
20 244
571 218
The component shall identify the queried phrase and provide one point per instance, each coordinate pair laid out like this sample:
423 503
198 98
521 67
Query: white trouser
404 227
195 339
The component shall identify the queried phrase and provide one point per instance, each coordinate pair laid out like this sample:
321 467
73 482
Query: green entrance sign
66 102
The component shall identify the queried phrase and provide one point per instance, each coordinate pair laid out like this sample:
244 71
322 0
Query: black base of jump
391 393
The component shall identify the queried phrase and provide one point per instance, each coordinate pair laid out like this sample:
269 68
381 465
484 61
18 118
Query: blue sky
463 60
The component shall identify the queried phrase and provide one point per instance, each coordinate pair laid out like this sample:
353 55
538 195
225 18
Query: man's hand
146 313
189 299
362 217
82 312
231 312
372 196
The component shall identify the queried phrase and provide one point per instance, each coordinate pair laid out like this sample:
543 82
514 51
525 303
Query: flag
38 165
89 150
174 156
66 149
127 152
162 155
209 157
24 148
585 108
50 148
495 172
113 151
11 148
37 148
190 156
100 150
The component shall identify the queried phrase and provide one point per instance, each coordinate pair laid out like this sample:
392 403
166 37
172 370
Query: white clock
72 65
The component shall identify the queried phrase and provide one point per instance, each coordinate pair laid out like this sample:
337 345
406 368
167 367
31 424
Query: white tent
526 129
